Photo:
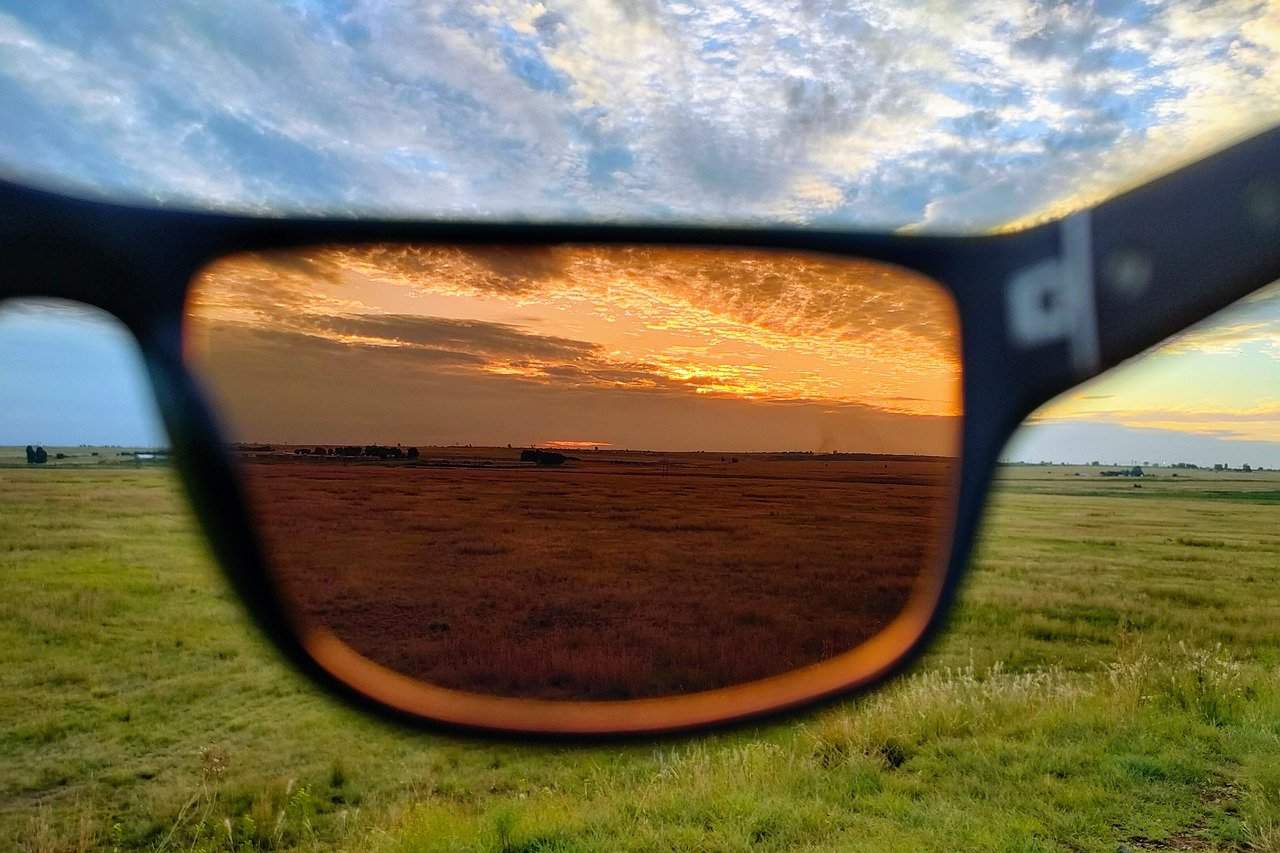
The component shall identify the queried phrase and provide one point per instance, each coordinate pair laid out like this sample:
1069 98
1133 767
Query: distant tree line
374 451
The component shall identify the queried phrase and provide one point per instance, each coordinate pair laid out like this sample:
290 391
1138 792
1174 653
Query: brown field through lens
587 472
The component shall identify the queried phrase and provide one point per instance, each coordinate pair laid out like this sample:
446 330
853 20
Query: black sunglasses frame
1041 310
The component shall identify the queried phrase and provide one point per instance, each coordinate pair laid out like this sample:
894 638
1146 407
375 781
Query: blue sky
938 116
70 376
950 116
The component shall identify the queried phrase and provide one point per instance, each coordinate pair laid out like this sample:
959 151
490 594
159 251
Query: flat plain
612 575
1110 680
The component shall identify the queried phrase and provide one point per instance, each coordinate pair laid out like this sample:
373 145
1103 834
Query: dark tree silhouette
542 457
31 455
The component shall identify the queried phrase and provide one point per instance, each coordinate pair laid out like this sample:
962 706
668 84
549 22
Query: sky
71 375
1210 395
652 348
944 117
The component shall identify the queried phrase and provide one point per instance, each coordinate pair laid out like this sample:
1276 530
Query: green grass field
1110 681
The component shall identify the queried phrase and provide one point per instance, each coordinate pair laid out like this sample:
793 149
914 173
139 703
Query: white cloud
945 115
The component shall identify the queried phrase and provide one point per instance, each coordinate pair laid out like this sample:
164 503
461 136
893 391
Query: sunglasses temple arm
1171 252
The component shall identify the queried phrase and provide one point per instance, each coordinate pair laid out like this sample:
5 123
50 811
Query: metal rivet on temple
1262 202
1127 272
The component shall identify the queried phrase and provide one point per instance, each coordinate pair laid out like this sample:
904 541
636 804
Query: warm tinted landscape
612 574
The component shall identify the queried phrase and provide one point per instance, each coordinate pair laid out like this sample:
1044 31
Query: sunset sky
940 116
647 348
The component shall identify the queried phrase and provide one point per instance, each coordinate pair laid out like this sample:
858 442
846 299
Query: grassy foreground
1111 681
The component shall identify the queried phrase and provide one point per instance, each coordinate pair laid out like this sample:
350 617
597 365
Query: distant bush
543 457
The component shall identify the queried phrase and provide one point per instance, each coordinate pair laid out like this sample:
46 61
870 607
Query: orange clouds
753 324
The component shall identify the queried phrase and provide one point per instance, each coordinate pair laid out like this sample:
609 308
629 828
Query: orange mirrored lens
587 472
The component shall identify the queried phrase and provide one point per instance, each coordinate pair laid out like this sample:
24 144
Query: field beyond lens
611 575
1110 680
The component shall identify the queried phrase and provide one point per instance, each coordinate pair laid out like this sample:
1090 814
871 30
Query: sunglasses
597 479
